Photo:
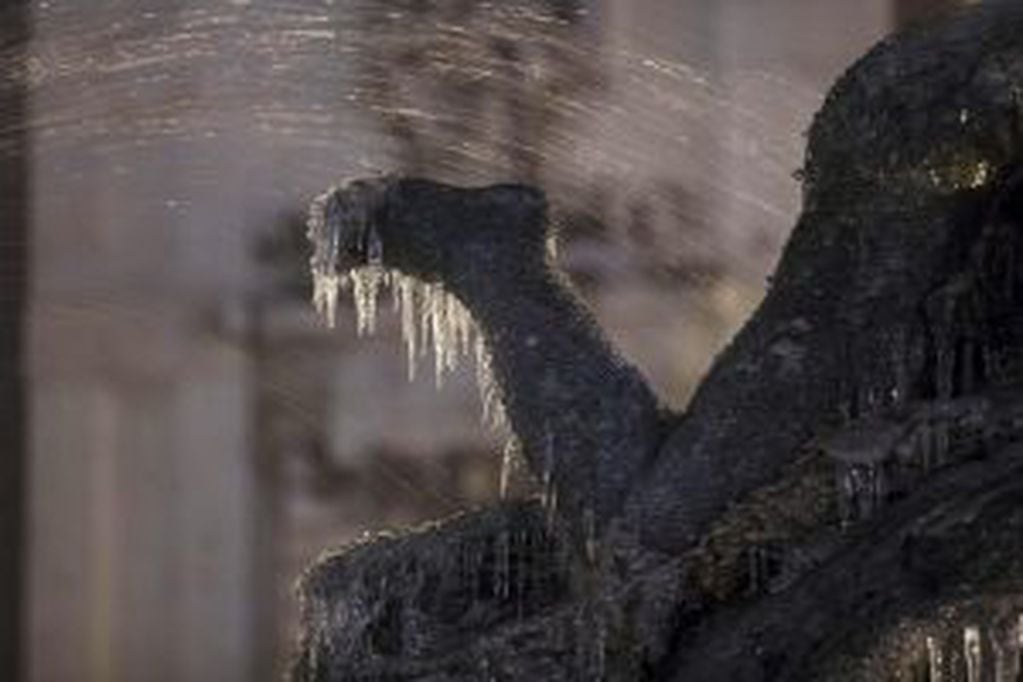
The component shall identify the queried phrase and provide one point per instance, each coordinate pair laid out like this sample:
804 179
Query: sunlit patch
960 174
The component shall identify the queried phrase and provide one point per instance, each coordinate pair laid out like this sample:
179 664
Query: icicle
443 321
434 303
457 331
490 395
325 289
1003 648
366 283
323 263
404 288
548 487
552 507
462 326
552 247
547 477
507 460
934 660
971 651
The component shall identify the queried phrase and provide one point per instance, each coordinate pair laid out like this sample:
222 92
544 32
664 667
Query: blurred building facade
195 436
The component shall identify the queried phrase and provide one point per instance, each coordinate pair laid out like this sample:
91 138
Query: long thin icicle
323 263
431 316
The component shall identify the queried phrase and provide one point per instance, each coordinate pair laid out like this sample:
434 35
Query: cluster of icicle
431 316
989 653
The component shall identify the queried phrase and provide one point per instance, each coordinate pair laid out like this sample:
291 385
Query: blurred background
179 435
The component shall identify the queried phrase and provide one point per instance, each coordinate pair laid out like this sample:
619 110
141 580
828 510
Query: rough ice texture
843 500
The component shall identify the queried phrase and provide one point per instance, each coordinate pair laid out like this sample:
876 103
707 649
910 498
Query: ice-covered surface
432 318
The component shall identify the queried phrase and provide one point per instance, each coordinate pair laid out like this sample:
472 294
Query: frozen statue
842 500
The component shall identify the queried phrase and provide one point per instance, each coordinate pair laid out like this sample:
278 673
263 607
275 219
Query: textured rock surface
842 499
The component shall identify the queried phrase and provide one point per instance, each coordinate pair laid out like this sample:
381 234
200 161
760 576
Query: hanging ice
325 289
548 486
404 289
366 284
430 315
490 393
934 660
507 462
971 651
323 263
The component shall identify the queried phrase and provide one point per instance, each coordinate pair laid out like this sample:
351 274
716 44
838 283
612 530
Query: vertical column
73 581
141 499
215 514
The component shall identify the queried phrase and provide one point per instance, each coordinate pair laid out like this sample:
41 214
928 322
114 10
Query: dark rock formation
584 417
868 308
844 497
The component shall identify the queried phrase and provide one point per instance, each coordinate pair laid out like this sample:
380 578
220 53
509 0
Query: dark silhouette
843 499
